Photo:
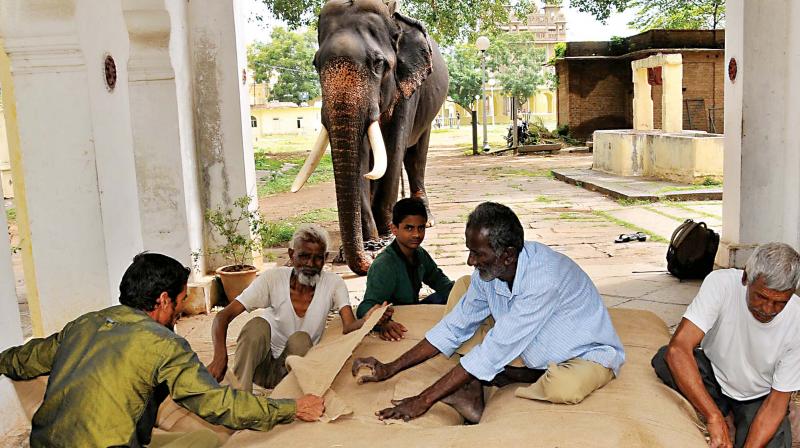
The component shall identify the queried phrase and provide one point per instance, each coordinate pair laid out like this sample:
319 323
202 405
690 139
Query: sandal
627 238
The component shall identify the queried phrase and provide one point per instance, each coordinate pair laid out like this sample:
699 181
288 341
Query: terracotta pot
234 282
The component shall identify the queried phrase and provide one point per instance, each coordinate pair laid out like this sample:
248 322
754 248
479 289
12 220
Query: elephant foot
377 244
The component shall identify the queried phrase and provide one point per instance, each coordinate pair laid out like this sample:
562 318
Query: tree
464 67
669 14
447 21
518 65
286 59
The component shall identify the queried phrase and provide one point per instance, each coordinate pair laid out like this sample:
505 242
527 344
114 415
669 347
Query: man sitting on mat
397 274
736 353
545 310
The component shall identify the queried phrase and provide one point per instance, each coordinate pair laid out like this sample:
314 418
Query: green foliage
518 64
447 22
668 14
712 182
11 215
282 172
238 246
679 15
279 232
560 49
288 58
464 66
618 45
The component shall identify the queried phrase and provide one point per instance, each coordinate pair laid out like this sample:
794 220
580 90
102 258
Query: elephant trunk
347 111
346 153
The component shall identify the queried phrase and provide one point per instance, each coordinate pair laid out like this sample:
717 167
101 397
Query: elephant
383 81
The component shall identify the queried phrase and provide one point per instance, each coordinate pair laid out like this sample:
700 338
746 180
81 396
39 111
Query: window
253 122
299 122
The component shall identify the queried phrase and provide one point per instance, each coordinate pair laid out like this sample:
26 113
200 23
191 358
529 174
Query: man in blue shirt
546 311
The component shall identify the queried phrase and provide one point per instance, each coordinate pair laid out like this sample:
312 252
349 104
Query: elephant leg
386 190
415 161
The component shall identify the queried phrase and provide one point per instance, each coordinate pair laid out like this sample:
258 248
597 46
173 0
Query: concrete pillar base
733 255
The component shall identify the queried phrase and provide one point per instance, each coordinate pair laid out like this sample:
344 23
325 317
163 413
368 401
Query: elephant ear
414 54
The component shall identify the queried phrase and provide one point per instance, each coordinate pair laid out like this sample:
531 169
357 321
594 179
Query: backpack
692 249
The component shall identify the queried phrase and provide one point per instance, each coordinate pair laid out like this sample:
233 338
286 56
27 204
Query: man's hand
718 430
218 367
387 315
392 331
405 409
309 408
380 371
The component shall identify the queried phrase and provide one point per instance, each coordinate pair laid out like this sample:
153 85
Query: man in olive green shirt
397 274
110 369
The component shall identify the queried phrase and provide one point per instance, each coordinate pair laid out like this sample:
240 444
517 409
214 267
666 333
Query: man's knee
659 363
257 330
568 383
564 390
299 343
457 292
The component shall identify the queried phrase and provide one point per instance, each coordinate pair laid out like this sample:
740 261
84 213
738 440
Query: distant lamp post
483 44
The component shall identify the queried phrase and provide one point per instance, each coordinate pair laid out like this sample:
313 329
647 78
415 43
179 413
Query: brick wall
597 93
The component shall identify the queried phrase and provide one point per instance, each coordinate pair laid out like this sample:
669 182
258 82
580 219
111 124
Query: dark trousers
434 299
744 412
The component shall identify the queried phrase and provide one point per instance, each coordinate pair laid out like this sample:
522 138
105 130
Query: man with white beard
295 302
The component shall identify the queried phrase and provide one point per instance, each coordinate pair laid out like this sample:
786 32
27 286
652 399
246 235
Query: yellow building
274 117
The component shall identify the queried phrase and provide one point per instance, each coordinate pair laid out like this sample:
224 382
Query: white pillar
761 182
102 33
222 116
642 101
65 243
11 413
156 130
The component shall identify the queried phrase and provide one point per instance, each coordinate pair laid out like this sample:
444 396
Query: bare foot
468 401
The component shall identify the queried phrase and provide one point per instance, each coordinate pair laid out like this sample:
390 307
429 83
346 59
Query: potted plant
238 246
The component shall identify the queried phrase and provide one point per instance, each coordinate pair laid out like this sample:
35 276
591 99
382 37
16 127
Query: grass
705 184
276 144
501 171
11 215
283 170
573 216
276 233
626 224
631 202
691 210
663 213
545 199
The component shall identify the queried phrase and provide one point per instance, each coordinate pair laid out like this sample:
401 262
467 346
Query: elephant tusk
312 161
378 151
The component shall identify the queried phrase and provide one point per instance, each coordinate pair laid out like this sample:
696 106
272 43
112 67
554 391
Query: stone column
60 220
762 151
155 128
6 184
672 93
10 333
222 116
642 100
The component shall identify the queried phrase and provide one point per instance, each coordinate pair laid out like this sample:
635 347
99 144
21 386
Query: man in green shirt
110 369
397 274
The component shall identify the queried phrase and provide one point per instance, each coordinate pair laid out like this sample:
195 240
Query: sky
580 26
